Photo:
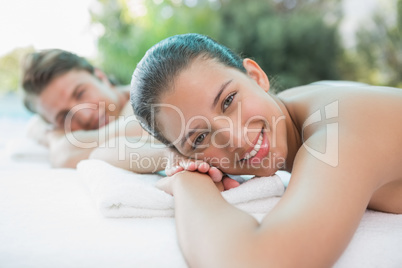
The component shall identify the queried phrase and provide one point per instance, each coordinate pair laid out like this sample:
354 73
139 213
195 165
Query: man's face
79 100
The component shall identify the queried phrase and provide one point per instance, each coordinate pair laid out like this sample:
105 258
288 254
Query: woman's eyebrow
223 86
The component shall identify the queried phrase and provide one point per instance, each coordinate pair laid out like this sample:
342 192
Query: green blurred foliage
295 41
128 34
377 56
10 70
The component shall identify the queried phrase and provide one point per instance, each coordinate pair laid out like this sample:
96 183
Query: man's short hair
41 67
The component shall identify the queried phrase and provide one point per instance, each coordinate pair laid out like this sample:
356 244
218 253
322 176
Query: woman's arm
310 227
207 225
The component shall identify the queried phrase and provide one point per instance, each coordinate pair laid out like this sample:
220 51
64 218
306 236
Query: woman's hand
167 183
178 164
194 165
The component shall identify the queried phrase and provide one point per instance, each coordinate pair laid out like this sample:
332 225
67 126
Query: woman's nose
228 136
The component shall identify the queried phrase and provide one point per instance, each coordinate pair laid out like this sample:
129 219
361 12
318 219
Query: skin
77 87
328 193
101 116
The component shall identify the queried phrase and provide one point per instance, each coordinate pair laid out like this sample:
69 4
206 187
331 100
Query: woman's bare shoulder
365 123
352 149
352 99
297 91
334 90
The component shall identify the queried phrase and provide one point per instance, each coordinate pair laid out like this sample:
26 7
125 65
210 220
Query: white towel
25 149
121 193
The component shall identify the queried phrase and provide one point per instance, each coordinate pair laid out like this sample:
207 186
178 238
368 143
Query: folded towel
121 193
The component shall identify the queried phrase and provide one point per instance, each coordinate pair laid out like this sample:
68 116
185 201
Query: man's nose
85 117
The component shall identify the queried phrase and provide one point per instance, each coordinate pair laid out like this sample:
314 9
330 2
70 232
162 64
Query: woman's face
225 117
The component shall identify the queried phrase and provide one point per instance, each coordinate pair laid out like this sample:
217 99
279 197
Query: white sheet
47 219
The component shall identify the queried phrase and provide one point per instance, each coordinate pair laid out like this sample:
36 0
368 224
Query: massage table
52 217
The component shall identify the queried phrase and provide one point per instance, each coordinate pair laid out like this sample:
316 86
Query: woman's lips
257 146
259 151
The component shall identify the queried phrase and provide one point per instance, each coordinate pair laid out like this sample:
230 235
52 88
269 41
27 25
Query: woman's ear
256 73
102 76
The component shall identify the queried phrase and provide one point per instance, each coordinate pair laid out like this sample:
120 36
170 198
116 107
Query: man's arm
133 153
67 149
37 130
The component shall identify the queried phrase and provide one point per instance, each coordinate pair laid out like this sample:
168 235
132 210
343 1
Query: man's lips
99 121
102 121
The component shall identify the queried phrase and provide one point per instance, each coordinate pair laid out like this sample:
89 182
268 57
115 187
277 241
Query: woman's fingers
170 171
222 184
229 183
197 165
203 167
215 174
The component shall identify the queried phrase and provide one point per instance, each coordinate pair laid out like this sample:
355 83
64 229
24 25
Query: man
85 115
82 113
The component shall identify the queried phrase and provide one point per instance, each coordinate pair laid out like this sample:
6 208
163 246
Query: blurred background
295 41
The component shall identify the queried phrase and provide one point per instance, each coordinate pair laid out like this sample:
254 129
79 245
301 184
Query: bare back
355 131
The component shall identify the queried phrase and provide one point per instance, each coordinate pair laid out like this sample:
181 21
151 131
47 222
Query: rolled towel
121 193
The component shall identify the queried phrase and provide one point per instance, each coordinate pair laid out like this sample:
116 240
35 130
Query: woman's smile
260 150
229 118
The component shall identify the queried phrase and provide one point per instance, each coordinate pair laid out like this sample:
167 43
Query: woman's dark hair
155 73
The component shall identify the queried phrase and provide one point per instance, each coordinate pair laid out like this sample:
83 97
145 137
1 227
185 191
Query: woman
342 146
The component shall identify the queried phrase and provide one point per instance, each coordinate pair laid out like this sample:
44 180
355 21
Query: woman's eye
226 103
199 140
